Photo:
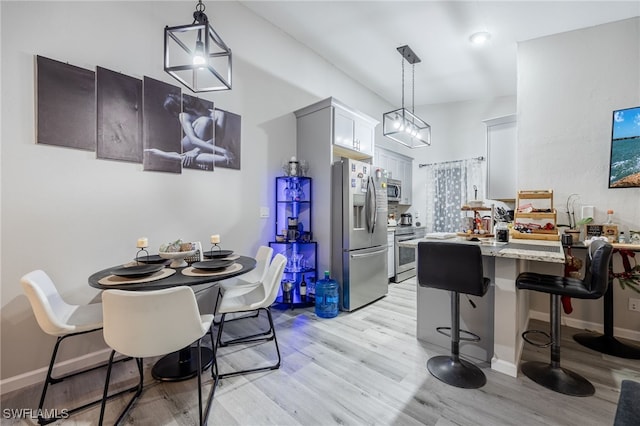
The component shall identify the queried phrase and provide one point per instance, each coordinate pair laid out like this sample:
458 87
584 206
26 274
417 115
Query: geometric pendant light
402 125
196 56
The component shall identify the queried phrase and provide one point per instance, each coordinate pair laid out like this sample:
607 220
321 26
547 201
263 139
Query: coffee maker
406 219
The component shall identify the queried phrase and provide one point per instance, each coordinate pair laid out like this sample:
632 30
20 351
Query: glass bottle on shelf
303 289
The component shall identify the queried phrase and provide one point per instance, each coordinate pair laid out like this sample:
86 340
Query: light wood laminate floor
361 368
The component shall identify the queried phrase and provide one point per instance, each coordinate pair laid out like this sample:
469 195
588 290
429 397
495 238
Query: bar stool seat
457 268
551 375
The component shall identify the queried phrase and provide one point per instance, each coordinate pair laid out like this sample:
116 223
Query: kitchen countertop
503 262
540 250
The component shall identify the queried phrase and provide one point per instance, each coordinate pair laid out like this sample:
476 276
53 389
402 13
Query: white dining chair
259 299
247 282
58 318
153 323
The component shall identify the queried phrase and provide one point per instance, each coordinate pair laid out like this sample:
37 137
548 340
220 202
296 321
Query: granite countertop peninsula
540 250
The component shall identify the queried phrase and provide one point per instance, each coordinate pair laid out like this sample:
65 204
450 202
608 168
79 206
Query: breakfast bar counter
503 262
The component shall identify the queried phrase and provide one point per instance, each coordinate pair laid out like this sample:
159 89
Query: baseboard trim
29 378
587 325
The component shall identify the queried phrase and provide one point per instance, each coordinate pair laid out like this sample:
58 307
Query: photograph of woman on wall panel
227 138
66 112
161 127
197 122
119 101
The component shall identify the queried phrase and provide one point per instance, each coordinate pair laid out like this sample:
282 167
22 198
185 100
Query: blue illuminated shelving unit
293 204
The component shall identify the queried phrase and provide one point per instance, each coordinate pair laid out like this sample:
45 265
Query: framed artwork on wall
65 111
162 130
624 166
227 139
197 122
119 107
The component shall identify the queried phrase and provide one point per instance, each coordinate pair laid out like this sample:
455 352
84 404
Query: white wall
457 133
70 214
568 86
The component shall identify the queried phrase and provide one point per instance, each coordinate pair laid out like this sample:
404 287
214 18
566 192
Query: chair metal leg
137 388
451 369
551 375
270 335
53 380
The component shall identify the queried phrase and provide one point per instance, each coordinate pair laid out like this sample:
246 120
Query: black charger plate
216 254
153 259
212 265
136 271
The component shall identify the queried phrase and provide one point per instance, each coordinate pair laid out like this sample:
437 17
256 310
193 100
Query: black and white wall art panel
119 107
66 111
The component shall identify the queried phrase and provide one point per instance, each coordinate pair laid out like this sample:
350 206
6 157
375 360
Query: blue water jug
327 297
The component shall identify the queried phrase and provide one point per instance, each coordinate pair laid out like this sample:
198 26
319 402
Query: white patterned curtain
449 186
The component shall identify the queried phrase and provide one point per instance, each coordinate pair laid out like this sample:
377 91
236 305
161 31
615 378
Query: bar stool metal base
558 379
607 345
458 373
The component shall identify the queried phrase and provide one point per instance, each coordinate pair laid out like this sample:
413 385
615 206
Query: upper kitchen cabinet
351 133
327 131
399 167
501 157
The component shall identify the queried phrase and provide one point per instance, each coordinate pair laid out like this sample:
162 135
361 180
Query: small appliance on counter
406 219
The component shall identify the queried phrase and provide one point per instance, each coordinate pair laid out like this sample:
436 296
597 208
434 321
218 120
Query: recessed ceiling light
480 38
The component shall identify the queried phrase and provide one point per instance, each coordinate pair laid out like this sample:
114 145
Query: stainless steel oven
405 257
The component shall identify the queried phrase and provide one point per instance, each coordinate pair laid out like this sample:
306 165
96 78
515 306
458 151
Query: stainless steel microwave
394 190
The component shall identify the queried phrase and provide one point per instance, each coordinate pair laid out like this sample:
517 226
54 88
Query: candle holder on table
142 245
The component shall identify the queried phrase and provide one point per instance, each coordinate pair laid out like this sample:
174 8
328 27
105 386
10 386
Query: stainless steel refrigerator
358 232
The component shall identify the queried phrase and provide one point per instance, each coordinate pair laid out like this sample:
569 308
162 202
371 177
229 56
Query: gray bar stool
457 268
551 375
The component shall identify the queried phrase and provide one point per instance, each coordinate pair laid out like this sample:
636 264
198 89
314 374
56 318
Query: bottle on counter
303 289
621 238
327 297
610 228
609 217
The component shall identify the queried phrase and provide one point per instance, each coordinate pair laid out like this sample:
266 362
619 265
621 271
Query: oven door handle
405 238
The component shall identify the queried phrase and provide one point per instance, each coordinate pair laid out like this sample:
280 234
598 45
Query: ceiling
360 38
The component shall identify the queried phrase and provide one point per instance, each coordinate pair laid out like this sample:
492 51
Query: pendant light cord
402 60
413 87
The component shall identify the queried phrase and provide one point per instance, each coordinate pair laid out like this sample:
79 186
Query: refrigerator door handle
371 253
374 205
370 202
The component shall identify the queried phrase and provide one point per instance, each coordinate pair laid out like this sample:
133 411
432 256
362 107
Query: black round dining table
180 365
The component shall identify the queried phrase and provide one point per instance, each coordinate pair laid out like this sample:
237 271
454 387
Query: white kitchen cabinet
326 131
501 157
399 167
353 132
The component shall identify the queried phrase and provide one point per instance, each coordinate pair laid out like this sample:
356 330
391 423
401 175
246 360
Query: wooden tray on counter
536 235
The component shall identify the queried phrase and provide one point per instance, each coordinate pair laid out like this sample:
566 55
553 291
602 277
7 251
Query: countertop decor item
403 125
190 52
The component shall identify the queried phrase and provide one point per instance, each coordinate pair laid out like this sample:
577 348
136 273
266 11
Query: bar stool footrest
469 336
539 345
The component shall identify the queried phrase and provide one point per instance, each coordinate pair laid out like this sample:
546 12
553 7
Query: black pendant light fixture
403 125
196 56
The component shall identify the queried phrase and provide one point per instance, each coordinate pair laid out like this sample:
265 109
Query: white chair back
263 259
50 310
271 283
152 323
